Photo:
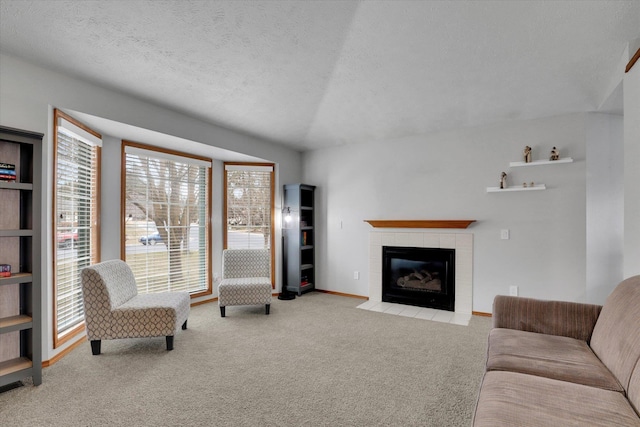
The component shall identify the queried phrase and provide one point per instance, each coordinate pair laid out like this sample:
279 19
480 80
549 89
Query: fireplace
423 277
461 242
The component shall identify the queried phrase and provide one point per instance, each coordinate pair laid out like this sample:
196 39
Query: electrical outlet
356 275
513 291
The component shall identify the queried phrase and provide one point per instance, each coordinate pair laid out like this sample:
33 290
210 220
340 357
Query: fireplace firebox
423 277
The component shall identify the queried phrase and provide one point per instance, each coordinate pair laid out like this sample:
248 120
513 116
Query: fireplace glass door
423 277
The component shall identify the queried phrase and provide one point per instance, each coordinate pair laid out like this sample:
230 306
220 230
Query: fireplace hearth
423 277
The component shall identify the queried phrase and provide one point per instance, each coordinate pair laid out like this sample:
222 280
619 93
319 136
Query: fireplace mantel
425 223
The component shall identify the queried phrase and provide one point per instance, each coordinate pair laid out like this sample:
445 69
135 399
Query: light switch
504 234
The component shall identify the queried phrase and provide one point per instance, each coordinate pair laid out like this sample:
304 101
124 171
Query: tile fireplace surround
461 242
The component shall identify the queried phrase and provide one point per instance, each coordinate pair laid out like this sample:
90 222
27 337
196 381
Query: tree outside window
166 219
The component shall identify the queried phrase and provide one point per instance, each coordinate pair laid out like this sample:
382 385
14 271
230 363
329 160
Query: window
249 206
76 240
166 219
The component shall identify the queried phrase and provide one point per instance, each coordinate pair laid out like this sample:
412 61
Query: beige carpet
314 361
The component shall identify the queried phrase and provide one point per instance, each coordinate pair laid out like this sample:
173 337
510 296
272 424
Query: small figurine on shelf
503 180
527 154
5 270
524 185
532 184
555 154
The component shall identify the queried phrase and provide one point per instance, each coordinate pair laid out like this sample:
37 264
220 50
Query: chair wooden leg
169 342
267 308
95 347
184 325
221 311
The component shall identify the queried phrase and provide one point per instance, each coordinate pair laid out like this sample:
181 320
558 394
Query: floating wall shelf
515 188
541 162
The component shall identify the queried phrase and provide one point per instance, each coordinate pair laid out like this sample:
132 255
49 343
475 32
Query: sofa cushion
515 399
616 336
568 319
634 389
550 356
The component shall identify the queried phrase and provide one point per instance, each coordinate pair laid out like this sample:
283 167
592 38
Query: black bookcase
300 238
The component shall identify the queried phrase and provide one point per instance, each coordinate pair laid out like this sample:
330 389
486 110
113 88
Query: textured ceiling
313 74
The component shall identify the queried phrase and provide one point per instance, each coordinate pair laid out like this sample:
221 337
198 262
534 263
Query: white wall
631 90
444 176
110 198
605 204
28 95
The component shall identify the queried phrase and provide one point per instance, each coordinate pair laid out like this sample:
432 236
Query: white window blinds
76 218
166 200
249 205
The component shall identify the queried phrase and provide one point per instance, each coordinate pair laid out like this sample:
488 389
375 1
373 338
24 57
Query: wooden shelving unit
20 237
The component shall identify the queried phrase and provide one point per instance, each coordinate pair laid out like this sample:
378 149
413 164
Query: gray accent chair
113 308
246 278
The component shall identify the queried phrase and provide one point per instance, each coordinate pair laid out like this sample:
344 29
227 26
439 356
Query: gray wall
631 87
605 204
28 95
444 176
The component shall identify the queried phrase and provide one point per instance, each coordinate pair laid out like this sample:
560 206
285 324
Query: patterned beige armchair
246 278
114 309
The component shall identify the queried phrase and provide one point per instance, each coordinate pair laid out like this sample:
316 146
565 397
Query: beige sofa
552 363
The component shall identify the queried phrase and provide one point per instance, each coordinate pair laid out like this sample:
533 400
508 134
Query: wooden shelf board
16 278
508 189
5 185
14 365
387 223
14 320
16 233
541 162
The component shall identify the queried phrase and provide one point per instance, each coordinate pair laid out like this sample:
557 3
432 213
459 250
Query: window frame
60 338
208 207
272 209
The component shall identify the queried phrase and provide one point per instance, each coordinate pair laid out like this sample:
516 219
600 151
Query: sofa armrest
569 319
